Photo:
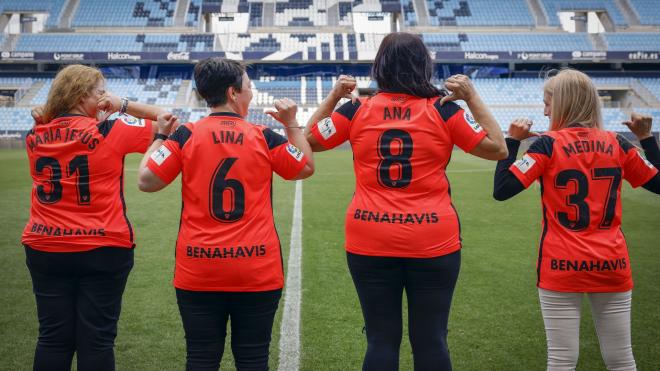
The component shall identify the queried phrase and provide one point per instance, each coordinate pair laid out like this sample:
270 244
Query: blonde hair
574 100
70 86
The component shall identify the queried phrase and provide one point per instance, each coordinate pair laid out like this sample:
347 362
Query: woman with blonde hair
582 250
78 240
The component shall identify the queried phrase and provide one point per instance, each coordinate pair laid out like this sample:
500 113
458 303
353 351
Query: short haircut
574 100
404 65
213 76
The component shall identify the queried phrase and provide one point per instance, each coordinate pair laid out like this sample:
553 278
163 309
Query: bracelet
160 136
124 106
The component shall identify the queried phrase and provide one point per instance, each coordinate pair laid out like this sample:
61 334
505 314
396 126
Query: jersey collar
230 114
69 115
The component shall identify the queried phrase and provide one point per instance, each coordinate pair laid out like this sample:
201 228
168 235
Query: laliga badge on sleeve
160 155
525 163
133 121
326 128
294 152
472 122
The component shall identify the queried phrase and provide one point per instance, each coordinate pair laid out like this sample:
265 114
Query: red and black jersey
227 239
582 247
401 147
77 169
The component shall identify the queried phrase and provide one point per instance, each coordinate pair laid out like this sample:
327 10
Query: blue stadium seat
126 13
15 119
114 42
632 41
552 7
151 91
52 7
478 13
648 11
194 12
528 42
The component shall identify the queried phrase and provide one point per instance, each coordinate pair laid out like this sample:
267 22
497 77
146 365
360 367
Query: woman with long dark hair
402 231
78 241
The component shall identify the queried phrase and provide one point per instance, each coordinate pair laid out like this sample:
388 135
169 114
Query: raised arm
285 112
506 185
111 103
147 180
641 125
344 88
492 147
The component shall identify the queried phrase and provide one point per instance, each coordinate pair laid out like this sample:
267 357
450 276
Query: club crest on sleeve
327 128
294 152
160 155
525 163
472 122
133 121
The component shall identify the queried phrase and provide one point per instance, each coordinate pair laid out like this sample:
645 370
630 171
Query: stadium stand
52 7
114 42
326 37
653 85
553 7
519 91
508 98
621 41
15 119
194 13
478 13
507 41
124 13
152 91
324 42
345 13
301 13
256 14
648 11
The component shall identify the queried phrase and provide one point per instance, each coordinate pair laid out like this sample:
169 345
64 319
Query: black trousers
78 304
429 285
204 316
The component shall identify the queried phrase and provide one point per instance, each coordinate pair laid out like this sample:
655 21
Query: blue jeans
205 314
78 298
429 285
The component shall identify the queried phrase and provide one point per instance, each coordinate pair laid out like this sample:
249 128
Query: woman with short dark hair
228 258
78 241
402 231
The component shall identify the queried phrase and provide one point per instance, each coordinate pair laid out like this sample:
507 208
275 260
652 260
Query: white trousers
611 314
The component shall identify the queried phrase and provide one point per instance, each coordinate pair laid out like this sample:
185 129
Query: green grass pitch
495 321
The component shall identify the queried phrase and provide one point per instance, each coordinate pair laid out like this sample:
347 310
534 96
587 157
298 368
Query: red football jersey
401 147
582 247
227 239
77 168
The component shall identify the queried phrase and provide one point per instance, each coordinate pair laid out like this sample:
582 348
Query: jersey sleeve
534 162
335 130
166 161
636 169
127 134
286 159
465 132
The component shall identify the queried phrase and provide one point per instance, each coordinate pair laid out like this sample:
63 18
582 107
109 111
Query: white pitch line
290 329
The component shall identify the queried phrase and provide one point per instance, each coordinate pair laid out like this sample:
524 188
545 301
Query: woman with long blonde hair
582 249
78 240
